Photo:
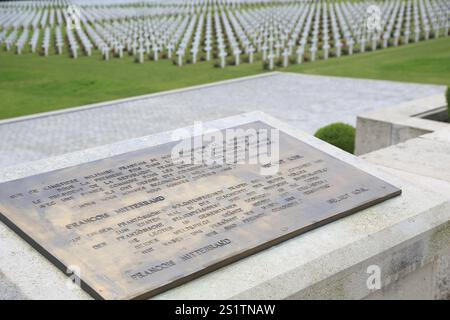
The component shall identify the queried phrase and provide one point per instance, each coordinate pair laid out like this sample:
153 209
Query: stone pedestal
406 239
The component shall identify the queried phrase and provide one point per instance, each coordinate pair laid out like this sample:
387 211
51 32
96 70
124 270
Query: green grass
30 83
423 62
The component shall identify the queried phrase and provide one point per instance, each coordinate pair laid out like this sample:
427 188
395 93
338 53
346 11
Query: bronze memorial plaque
137 224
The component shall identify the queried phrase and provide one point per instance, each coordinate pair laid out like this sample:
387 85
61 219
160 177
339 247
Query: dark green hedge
338 134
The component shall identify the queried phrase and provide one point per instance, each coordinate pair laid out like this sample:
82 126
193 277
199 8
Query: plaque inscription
137 224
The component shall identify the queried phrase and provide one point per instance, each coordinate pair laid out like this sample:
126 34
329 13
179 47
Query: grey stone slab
395 235
372 135
118 269
305 101
398 123
8 290
441 135
428 155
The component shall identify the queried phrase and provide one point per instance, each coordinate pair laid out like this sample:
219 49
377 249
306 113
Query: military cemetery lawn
32 83
422 62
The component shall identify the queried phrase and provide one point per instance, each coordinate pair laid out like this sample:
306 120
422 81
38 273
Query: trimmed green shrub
338 134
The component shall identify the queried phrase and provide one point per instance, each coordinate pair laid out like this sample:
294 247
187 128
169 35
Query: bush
278 62
447 95
338 134
306 57
230 61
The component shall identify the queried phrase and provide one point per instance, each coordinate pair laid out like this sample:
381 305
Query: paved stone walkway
306 102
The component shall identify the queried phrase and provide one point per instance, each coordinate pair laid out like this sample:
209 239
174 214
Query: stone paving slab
305 101
427 155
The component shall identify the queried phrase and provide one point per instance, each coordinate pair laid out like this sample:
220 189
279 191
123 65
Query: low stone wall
397 241
395 124
424 161
408 142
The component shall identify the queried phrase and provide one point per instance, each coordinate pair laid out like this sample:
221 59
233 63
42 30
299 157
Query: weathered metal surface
137 224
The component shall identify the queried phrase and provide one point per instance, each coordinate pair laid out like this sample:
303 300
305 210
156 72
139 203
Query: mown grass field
423 62
30 83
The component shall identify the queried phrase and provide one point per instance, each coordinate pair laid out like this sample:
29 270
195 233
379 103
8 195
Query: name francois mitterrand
167 264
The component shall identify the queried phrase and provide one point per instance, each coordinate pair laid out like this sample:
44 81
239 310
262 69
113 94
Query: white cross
277 48
237 53
74 52
325 48
285 57
120 50
338 46
251 50
362 44
271 56
222 56
180 54
141 51
155 52
170 47
313 50
106 52
350 46
194 51
208 52
264 51
300 51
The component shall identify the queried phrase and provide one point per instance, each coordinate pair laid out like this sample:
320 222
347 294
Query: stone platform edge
399 236
394 124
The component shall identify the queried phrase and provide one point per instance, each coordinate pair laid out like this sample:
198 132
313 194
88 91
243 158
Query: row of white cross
217 28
